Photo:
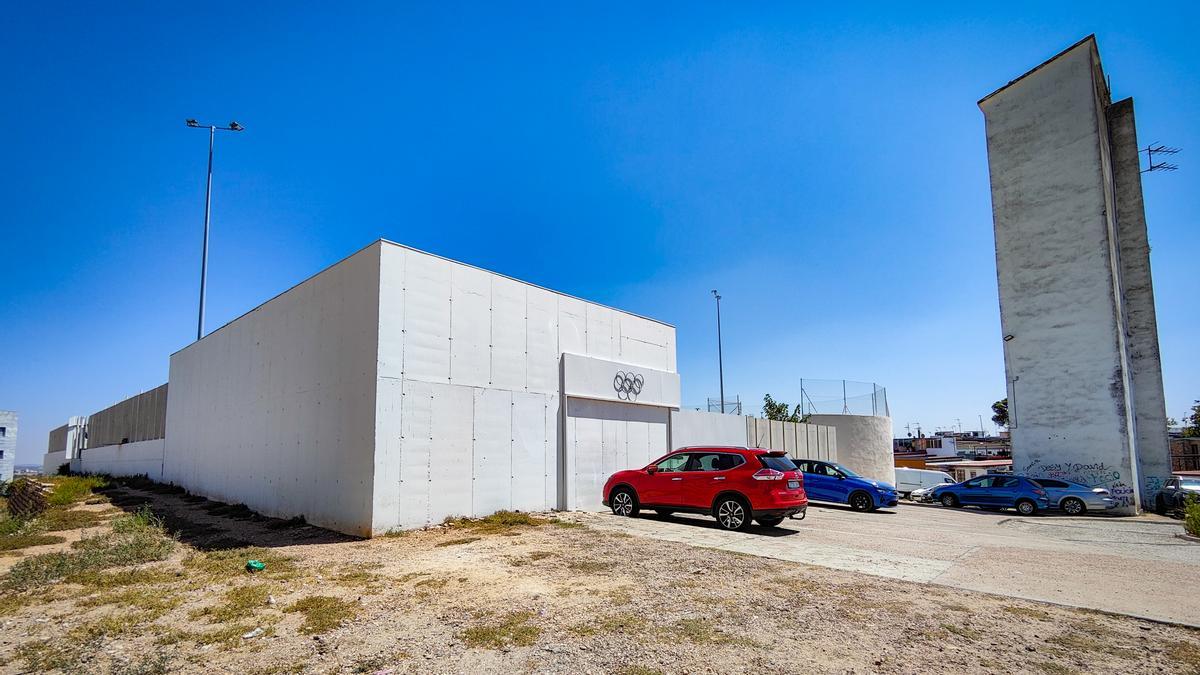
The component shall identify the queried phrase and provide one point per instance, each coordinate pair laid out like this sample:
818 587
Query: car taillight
767 474
1038 491
1100 491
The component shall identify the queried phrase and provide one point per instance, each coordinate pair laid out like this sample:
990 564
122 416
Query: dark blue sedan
995 492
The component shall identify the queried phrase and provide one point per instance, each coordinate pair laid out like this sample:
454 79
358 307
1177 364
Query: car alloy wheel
860 501
1026 507
1073 506
622 503
731 514
949 500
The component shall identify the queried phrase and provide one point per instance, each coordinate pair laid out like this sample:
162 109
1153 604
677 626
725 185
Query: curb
1187 537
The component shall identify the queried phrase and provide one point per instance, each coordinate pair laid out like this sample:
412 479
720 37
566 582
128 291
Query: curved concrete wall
864 443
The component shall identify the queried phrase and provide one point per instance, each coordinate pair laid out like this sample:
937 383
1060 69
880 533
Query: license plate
793 485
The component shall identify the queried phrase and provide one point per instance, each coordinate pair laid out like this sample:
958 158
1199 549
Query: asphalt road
1134 566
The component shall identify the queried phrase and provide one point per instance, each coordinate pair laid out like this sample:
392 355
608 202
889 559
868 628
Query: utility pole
212 133
720 356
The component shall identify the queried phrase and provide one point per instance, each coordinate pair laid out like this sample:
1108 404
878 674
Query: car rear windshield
1189 482
777 463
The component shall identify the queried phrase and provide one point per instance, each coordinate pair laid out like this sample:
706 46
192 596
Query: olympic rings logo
628 385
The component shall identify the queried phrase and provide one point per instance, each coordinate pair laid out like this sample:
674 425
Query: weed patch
70 489
16 542
961 631
513 630
1027 612
240 602
231 563
588 566
457 542
135 539
152 603
323 613
58 520
620 623
498 523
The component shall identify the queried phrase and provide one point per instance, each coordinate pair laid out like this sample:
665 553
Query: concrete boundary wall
695 427
52 460
138 418
126 459
802 441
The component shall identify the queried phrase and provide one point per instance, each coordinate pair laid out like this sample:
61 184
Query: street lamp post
720 356
212 133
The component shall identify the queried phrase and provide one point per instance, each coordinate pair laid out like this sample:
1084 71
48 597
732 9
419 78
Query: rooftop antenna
1159 149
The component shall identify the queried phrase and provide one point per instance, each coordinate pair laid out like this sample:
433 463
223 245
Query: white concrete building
8 444
1085 394
397 388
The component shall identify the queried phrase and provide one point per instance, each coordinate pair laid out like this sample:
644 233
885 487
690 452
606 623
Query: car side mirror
841 476
652 469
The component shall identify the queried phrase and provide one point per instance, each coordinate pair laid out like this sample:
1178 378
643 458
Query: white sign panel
601 379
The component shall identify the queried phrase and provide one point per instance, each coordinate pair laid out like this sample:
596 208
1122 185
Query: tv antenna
1159 149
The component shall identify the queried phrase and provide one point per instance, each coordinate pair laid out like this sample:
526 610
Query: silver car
1075 498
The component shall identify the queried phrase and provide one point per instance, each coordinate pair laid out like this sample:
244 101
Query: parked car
829 482
995 491
734 485
1174 493
908 480
1076 498
925 495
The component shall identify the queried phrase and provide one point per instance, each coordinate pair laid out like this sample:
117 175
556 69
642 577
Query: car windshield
846 471
1189 482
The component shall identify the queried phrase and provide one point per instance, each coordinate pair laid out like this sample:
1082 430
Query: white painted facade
397 388
1081 356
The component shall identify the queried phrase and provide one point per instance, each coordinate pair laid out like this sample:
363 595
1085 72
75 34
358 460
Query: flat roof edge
527 283
1089 38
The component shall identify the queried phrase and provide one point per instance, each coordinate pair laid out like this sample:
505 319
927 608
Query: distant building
917 453
1185 454
968 469
8 444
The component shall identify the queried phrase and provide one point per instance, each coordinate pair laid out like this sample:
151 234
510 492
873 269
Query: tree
1000 408
1191 426
780 412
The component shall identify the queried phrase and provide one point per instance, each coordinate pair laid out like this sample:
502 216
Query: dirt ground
502 596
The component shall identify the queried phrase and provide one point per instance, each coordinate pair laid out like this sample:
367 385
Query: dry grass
457 542
514 630
240 602
619 623
1027 612
501 522
151 602
323 613
58 520
70 489
134 539
231 563
16 542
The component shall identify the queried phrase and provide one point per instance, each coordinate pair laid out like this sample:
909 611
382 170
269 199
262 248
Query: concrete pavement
1133 566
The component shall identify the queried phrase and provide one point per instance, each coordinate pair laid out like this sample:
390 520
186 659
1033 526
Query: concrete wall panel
128 459
509 322
695 427
492 452
470 327
427 311
528 470
542 336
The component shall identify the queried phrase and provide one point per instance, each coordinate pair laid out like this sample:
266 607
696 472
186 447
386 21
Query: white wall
864 444
468 412
802 441
696 427
277 408
126 459
52 460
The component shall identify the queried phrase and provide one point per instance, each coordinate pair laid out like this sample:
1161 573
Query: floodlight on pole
720 356
212 132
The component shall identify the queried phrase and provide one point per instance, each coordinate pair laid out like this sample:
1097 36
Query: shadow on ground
711 524
209 525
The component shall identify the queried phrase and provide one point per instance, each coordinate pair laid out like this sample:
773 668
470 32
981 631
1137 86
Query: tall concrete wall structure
864 444
1081 356
8 444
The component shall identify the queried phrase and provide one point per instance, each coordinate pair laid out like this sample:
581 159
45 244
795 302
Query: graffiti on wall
1092 474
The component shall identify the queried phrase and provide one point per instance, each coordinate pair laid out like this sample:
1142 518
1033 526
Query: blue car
995 491
828 482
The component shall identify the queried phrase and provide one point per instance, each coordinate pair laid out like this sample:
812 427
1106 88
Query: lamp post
720 357
212 133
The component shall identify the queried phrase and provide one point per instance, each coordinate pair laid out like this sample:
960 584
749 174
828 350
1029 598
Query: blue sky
824 168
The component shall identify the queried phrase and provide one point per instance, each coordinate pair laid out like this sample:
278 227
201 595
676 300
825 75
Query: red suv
735 485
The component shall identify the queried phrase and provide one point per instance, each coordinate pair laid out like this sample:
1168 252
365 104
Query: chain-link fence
842 397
